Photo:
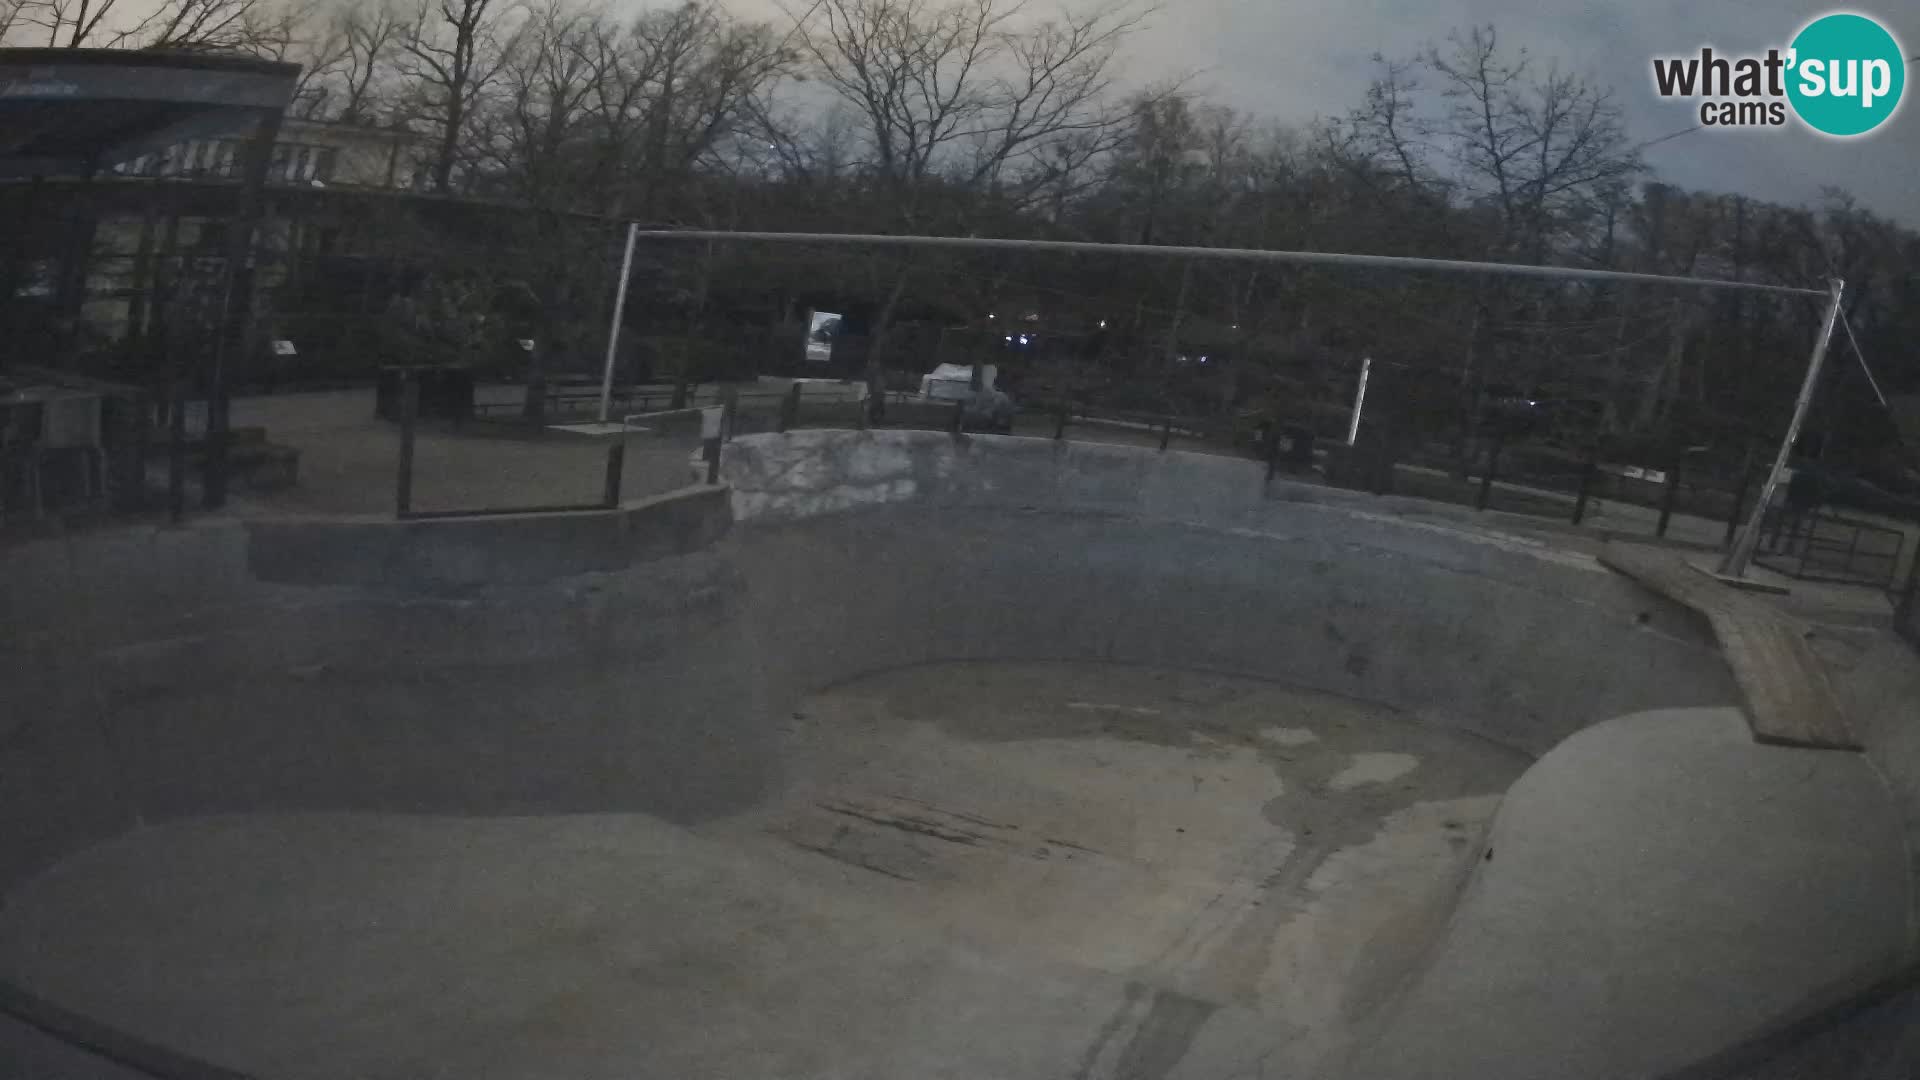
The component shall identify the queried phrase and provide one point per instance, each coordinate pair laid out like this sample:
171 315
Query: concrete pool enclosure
371 790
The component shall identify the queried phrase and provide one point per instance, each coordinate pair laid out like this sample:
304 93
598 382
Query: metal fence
1691 497
1823 546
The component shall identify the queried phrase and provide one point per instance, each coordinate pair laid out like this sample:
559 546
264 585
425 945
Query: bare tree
970 94
451 51
10 17
970 91
1540 149
1386 145
347 63
700 75
546 86
257 26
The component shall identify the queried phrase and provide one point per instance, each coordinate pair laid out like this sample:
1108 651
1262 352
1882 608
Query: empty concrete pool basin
908 755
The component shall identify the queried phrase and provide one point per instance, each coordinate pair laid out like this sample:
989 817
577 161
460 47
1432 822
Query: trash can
446 391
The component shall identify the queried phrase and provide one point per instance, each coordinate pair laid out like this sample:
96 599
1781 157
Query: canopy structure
71 112
77 112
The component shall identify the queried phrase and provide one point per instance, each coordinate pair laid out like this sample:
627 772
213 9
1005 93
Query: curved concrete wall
629 659
156 673
1003 547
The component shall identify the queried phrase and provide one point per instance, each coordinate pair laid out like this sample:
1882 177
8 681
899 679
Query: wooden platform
1789 700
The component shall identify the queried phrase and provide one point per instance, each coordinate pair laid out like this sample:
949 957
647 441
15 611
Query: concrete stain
1344 770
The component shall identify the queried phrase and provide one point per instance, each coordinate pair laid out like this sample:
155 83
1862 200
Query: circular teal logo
1847 74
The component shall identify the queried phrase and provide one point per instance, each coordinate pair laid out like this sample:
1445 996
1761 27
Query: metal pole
613 331
1493 466
409 408
616 463
1320 258
1671 493
713 425
1359 400
1738 559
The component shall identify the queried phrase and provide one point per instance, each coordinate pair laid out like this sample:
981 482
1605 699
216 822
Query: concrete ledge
454 553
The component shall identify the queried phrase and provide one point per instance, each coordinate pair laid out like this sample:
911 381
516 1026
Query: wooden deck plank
1789 700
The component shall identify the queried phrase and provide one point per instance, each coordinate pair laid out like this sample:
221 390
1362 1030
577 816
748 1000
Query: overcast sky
1293 60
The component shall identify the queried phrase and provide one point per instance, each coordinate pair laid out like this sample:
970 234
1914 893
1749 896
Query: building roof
66 112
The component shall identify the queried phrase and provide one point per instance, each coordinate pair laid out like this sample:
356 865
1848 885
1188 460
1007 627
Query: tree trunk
1469 390
1172 346
449 142
1665 379
876 349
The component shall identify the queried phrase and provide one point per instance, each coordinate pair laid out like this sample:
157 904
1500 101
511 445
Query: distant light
1103 324
1203 359
1023 339
990 315
1236 326
1009 339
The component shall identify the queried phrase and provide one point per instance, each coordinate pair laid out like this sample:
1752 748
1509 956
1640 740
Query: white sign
283 347
820 331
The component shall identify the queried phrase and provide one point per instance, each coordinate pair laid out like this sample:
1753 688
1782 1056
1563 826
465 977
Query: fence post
790 407
1588 471
1493 466
616 465
1166 433
1812 520
1672 491
177 451
959 411
1739 497
729 412
712 425
1060 419
409 407
865 421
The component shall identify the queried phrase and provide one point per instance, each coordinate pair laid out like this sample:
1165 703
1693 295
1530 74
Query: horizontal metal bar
625 420
576 508
1326 258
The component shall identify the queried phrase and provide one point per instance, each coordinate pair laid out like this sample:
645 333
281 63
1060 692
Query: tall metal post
1735 565
613 331
1359 400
